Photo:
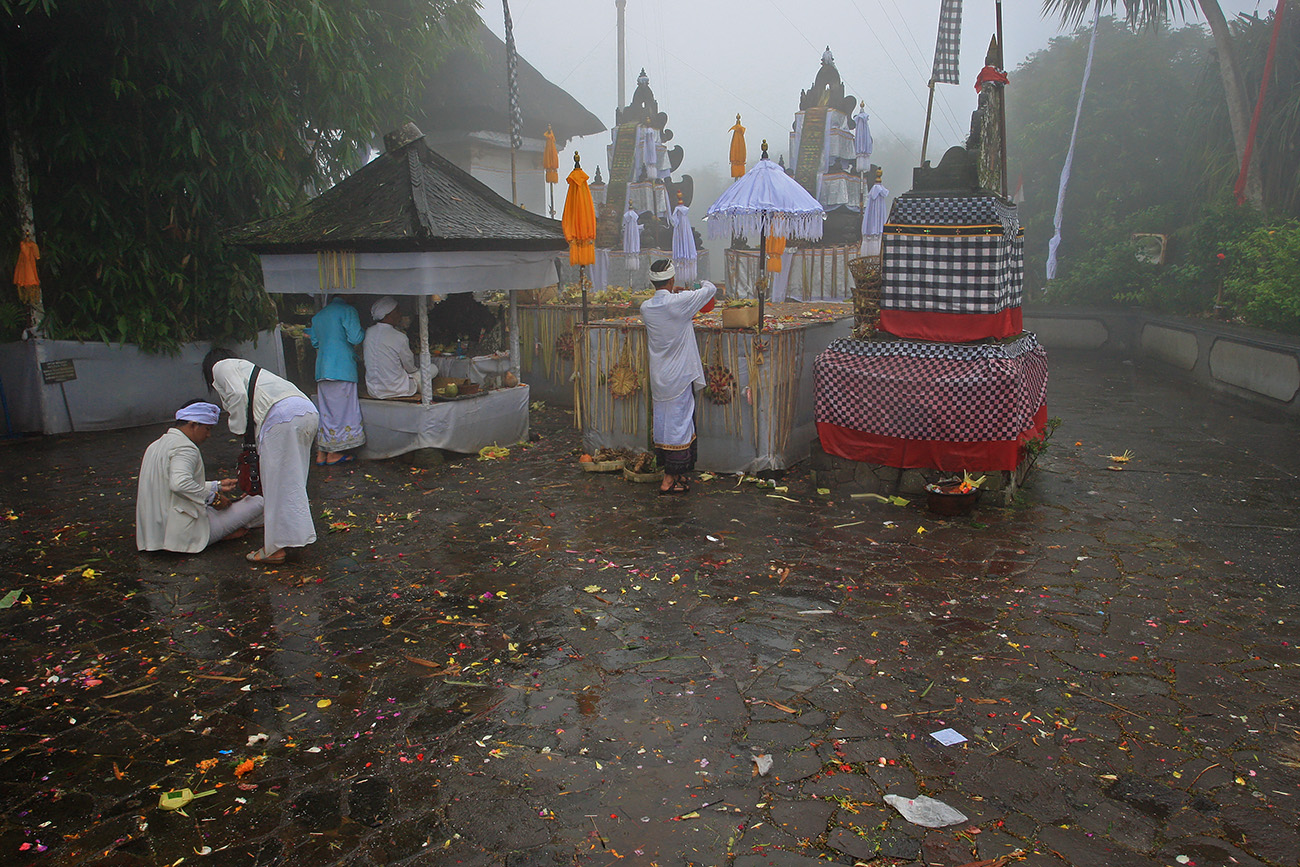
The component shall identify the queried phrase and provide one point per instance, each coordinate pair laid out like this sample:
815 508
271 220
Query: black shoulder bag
249 465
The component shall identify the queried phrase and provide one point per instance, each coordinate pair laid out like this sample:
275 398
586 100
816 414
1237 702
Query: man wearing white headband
176 508
391 370
675 370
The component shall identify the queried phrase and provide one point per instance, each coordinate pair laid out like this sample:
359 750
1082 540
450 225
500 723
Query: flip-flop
346 459
260 556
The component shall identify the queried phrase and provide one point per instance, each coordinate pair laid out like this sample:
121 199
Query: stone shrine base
845 476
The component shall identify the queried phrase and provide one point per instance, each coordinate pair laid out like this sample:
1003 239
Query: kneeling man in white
176 508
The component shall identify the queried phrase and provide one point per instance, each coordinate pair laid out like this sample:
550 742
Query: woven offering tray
601 466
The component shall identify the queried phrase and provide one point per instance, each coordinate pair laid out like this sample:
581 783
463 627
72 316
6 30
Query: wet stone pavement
515 663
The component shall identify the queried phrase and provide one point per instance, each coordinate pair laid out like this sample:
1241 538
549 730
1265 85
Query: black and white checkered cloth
952 273
910 391
512 79
1026 342
952 254
947 45
966 211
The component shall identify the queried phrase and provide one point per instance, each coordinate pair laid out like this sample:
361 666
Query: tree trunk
1234 90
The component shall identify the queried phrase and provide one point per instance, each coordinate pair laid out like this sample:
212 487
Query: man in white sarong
675 370
176 507
391 370
285 422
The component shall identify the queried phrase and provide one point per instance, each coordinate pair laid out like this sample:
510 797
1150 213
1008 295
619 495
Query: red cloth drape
948 457
1240 188
990 73
952 327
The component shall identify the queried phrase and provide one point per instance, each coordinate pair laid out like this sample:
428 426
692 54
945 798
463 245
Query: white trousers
241 513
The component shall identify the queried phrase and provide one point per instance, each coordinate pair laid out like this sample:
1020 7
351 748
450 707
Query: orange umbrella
551 164
579 218
579 221
775 247
737 149
550 157
25 276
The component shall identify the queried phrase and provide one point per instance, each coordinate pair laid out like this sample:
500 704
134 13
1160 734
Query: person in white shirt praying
675 370
391 370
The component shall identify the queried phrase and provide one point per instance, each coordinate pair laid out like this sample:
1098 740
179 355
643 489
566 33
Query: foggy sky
709 59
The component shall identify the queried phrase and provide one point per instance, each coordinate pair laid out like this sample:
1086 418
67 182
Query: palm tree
1141 12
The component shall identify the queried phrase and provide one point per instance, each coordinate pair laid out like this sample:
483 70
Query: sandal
260 556
346 459
677 487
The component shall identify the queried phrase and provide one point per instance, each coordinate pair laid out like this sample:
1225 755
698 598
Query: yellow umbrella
551 163
737 149
579 221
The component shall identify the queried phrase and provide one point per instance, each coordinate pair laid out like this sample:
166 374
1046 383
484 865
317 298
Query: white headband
203 413
663 276
383 307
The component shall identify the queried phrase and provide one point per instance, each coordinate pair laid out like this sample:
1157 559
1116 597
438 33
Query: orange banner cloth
775 247
25 276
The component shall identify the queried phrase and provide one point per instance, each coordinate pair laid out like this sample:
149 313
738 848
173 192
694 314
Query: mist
708 61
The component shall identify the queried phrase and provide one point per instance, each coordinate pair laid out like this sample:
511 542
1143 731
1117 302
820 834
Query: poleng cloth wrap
932 392
953 268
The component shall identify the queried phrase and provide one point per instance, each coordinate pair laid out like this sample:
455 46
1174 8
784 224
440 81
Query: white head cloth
663 276
383 307
203 413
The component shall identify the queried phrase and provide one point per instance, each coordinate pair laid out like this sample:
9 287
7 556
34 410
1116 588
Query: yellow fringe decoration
336 270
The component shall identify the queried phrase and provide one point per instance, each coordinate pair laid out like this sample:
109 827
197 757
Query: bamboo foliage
151 128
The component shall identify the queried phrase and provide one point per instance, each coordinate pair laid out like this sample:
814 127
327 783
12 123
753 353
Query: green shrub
1263 280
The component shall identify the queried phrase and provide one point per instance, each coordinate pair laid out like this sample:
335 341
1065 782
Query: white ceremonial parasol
766 201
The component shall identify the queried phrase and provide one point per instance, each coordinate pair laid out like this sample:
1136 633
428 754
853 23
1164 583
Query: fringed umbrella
579 221
737 149
551 164
685 255
766 201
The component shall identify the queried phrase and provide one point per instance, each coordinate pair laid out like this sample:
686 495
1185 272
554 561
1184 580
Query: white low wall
1257 365
58 386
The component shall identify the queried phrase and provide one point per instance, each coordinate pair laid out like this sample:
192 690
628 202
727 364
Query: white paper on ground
926 812
948 737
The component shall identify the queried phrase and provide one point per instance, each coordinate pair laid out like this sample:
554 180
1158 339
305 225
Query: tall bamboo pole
929 111
1002 103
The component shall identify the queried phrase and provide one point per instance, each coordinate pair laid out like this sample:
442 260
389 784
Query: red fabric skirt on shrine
949 457
952 327
943 406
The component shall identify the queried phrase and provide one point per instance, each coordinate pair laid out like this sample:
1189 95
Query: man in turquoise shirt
334 331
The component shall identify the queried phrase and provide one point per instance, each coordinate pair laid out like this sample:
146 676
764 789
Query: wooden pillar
426 361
